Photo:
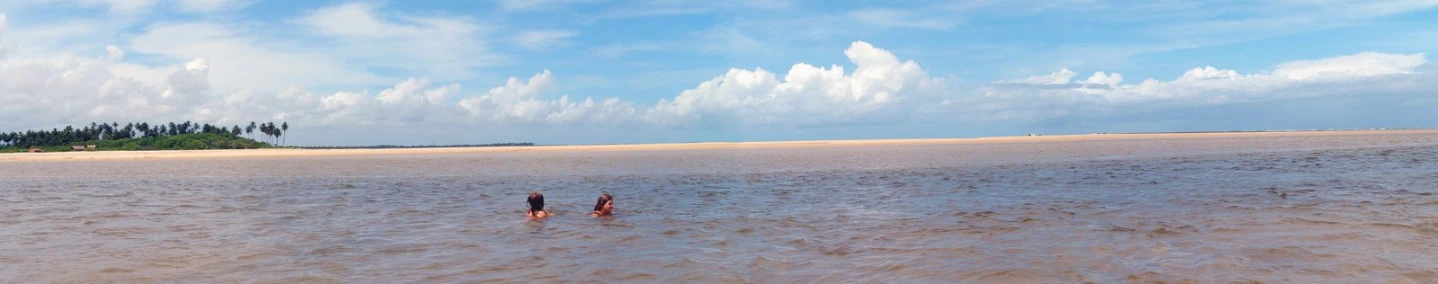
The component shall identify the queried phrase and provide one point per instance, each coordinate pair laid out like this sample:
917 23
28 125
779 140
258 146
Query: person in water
605 206
536 207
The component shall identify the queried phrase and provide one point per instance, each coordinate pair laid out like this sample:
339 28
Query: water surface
1287 209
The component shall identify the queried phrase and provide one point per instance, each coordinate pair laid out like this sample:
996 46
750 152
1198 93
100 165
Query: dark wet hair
603 198
536 202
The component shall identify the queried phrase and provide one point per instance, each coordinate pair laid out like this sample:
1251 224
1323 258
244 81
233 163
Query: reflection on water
1277 210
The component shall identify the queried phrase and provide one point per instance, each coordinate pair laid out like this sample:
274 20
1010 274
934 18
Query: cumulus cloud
191 81
55 91
1208 73
1100 78
522 102
807 95
408 103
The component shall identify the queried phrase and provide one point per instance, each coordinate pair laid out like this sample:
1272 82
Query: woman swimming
536 207
605 206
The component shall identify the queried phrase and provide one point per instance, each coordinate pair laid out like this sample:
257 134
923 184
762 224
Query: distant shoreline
523 144
1274 131
297 153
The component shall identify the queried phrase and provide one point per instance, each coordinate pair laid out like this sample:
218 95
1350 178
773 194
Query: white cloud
333 47
1357 65
436 46
362 20
113 53
408 103
1208 73
191 81
522 102
621 49
807 95
1100 78
903 19
765 4
248 62
1358 74
4 47
120 6
538 39
1062 77
540 4
412 92
206 6
55 38
48 92
653 8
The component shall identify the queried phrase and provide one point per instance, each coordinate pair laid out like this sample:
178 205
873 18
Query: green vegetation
141 136
193 141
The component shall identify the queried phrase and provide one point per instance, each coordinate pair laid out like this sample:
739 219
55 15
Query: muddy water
1295 209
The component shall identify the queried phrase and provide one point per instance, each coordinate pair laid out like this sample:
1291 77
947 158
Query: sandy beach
282 153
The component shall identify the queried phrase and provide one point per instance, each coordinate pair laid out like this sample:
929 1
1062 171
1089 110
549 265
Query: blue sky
604 71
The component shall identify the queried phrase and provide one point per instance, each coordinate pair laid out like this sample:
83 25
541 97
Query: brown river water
1311 209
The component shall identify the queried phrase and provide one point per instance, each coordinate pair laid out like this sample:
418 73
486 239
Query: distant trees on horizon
71 135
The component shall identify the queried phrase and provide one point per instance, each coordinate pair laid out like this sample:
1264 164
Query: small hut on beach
36 150
77 148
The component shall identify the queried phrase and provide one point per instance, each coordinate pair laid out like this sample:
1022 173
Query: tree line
71 135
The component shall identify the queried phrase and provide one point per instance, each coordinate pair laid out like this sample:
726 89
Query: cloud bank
875 87
1363 74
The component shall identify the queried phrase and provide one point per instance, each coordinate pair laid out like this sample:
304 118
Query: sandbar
297 153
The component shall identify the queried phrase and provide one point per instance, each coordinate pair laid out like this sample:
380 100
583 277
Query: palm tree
274 132
285 127
265 129
251 130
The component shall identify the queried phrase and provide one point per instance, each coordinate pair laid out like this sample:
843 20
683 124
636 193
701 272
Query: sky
653 71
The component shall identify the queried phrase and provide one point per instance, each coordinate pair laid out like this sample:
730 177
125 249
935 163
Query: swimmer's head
604 201
536 201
